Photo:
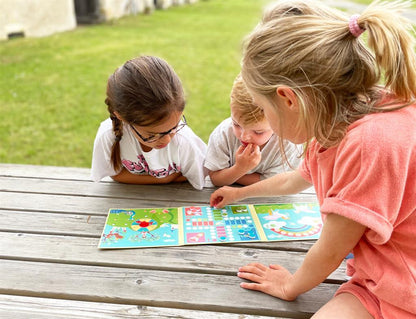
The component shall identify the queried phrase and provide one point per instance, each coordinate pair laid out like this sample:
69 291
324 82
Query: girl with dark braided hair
146 140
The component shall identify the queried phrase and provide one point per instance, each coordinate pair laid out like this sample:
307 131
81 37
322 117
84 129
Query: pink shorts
379 310
368 299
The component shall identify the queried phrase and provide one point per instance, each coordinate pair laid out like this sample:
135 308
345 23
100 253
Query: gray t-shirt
223 145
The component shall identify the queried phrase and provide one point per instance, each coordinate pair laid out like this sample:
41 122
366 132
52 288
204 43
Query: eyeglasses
158 136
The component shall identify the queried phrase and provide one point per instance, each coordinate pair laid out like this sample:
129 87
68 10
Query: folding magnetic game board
191 225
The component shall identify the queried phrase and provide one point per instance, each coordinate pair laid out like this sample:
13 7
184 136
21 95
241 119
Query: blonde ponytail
393 45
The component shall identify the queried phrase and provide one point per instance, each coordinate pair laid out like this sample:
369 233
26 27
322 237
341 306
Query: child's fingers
218 202
250 276
254 272
257 153
252 149
252 286
215 200
276 267
241 149
248 149
253 268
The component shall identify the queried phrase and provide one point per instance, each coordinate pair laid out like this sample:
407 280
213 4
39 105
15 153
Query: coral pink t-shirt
370 177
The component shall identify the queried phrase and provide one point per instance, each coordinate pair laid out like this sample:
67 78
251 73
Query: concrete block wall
164 4
38 18
35 18
113 9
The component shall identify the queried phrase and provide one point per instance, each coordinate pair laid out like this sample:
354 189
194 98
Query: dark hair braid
118 132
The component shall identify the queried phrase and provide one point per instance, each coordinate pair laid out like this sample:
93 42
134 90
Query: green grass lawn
52 89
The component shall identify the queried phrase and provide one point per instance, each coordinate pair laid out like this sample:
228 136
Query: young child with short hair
146 140
243 148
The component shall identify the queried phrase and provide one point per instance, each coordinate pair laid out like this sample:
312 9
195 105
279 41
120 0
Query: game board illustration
190 225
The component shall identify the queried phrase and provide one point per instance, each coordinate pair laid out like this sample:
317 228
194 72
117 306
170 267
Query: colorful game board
190 225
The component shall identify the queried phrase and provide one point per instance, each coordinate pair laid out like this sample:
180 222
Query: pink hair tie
355 29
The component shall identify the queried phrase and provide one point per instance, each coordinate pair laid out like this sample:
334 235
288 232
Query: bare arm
231 175
246 159
126 177
280 184
249 179
339 236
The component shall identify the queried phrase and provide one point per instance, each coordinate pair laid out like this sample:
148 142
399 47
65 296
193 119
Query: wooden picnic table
51 223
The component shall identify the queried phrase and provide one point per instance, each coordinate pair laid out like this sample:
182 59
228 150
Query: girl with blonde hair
308 68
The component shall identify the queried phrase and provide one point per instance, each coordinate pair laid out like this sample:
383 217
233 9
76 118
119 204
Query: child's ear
287 97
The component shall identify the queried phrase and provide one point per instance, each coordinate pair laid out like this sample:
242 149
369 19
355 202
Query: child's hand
223 196
247 157
273 280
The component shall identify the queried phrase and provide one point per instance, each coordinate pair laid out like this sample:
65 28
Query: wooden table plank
43 171
52 223
76 204
72 174
100 205
148 287
86 188
18 307
212 259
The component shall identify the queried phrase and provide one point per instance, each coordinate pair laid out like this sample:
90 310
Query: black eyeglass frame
158 136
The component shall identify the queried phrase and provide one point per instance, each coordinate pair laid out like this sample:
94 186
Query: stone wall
113 9
38 18
35 18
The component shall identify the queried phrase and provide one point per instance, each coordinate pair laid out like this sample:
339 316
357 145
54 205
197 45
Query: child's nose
166 139
245 136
